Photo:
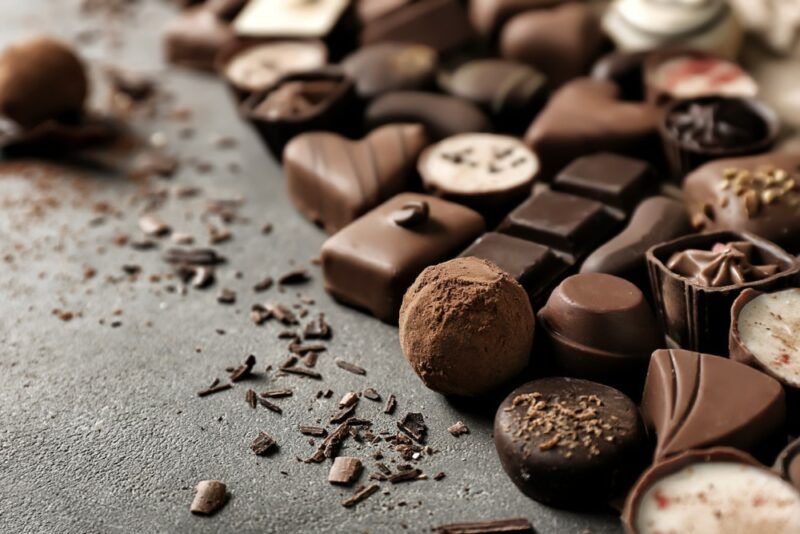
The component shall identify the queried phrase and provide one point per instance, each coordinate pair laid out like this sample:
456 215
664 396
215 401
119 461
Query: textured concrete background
100 428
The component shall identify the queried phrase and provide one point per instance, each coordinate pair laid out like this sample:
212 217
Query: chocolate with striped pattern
333 180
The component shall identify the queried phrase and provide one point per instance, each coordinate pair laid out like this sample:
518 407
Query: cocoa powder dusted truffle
466 327
41 79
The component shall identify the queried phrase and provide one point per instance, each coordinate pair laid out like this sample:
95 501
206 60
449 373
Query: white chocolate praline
289 18
689 76
707 25
260 66
474 163
769 327
719 498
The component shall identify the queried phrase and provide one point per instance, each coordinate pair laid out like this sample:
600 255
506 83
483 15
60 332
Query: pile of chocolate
622 233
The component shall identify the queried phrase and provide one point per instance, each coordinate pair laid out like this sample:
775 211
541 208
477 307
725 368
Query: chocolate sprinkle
350 367
243 370
391 404
360 494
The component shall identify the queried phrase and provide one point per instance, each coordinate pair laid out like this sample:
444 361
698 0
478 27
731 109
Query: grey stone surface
100 427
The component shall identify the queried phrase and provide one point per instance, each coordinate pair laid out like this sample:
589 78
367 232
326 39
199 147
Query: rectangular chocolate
371 262
534 266
570 224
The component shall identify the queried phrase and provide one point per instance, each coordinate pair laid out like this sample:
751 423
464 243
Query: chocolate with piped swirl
725 264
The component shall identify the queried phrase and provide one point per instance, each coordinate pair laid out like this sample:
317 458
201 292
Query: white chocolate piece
720 498
289 18
769 327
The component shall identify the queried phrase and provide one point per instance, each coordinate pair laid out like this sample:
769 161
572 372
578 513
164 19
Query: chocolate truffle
712 491
695 400
333 180
682 74
758 194
489 16
487 172
765 333
255 67
707 25
386 67
371 262
510 92
536 267
655 220
694 310
466 327
700 130
586 116
562 42
787 465
615 180
600 327
568 442
442 115
289 18
626 70
440 24
30 72
195 38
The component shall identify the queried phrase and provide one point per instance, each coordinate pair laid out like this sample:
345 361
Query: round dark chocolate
41 79
385 67
568 442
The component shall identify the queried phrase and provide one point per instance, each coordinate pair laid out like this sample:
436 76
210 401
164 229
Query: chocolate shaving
315 431
216 388
263 284
276 393
498 526
298 276
330 444
243 370
372 395
193 256
300 371
153 225
302 348
458 429
250 398
310 359
343 414
350 367
413 424
269 405
391 404
263 444
317 328
405 476
360 494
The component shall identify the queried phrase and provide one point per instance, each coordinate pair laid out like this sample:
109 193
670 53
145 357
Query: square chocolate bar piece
534 266
618 181
568 223
371 262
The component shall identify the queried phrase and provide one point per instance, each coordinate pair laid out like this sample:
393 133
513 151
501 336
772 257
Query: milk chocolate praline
41 79
535 431
466 327
696 316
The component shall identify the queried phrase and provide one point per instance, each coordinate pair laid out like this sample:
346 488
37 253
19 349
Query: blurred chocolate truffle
466 327
41 79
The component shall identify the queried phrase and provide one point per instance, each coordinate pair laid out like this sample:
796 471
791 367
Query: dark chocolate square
371 262
534 266
615 180
568 223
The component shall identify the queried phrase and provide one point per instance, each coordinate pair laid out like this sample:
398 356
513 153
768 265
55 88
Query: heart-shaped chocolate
333 180
561 42
586 116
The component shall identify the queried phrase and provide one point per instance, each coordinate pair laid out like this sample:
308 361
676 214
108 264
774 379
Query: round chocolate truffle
569 442
41 79
466 327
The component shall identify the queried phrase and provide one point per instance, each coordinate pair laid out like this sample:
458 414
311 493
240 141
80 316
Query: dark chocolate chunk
263 444
300 371
345 470
569 443
561 42
695 400
195 38
317 328
386 67
413 424
397 255
441 115
210 497
333 180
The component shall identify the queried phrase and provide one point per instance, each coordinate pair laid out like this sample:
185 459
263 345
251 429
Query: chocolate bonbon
371 262
765 333
561 42
289 18
442 115
386 67
695 315
711 491
320 100
708 25
787 464
195 38
511 93
758 194
30 70
703 129
466 327
333 180
655 220
487 172
489 16
695 400
569 442
570 224
600 327
440 24
536 267
619 181
586 116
